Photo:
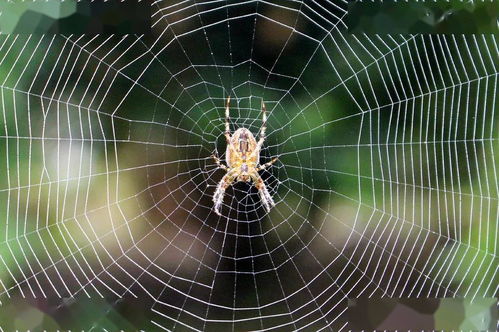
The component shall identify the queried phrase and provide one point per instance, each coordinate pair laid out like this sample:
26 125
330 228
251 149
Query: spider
242 157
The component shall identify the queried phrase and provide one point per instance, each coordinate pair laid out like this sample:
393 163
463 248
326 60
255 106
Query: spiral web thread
386 183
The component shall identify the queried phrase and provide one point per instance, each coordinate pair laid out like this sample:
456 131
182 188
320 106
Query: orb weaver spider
243 157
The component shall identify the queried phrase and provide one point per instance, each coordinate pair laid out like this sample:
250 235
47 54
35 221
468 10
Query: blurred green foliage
430 17
74 17
422 314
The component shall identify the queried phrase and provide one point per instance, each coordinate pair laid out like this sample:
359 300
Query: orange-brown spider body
243 157
241 153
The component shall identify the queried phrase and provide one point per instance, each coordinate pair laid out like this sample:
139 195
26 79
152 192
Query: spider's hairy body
243 157
242 154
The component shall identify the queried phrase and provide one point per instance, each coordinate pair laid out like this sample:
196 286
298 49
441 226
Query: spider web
386 183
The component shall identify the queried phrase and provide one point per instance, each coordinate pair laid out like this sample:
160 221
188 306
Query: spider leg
218 197
265 197
264 121
263 128
227 125
218 162
264 166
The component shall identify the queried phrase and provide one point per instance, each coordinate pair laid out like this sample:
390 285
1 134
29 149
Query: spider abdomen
242 149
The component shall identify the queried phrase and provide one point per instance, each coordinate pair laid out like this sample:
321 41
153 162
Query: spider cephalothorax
242 157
